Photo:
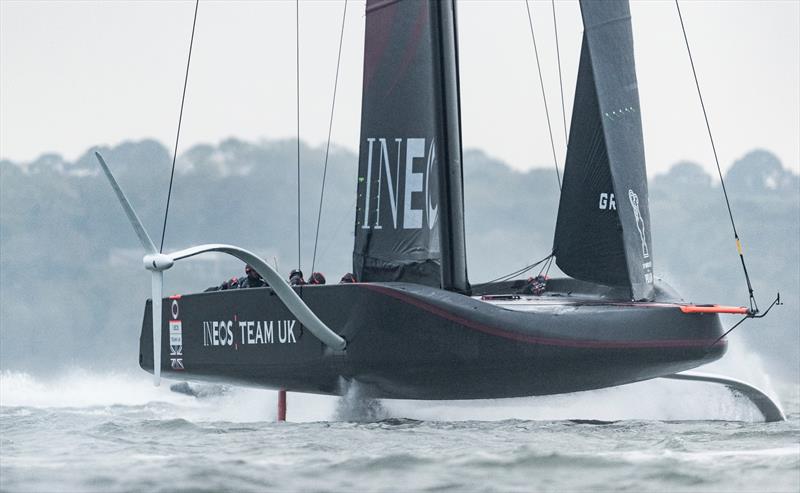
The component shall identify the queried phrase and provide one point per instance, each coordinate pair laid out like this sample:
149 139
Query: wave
80 388
653 400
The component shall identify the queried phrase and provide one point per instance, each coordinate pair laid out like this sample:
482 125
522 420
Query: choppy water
87 432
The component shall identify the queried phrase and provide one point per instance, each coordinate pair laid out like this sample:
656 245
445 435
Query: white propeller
157 263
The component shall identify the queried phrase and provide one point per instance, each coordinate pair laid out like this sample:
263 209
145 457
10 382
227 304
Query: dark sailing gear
231 283
348 278
535 285
253 279
252 282
317 278
296 278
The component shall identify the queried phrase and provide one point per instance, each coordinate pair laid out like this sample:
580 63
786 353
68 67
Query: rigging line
505 278
328 146
178 135
546 267
753 304
544 98
519 271
512 274
560 81
727 332
297 78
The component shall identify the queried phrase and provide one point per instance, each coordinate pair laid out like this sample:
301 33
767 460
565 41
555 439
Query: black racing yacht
413 327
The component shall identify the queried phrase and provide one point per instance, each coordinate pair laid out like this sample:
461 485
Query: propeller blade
157 282
144 238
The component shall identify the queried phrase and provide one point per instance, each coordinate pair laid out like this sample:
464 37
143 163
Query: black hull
408 341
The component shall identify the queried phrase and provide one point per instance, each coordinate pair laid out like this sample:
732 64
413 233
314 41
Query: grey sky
78 74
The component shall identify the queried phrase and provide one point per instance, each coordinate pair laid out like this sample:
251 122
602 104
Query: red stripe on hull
573 343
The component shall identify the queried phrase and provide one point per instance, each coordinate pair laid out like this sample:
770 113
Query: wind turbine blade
157 282
144 238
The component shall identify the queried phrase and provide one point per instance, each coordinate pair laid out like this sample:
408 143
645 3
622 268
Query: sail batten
603 227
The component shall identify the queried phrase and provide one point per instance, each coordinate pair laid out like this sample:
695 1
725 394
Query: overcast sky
78 74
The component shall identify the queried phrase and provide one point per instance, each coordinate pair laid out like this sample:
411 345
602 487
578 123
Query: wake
661 400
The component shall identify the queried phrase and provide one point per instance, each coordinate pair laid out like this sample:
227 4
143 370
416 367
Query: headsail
409 215
603 228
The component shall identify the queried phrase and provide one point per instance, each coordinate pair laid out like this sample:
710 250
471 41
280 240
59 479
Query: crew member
316 278
296 278
348 278
535 285
252 280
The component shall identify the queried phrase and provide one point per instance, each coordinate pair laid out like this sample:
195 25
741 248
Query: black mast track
451 177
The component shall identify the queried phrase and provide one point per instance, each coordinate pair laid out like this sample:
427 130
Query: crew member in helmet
535 285
253 279
348 278
317 278
296 278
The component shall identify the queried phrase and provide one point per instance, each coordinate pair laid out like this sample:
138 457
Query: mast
451 176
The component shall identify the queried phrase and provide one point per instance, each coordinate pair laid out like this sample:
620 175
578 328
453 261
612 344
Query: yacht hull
408 341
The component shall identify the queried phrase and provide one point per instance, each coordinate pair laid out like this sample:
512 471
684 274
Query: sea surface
117 433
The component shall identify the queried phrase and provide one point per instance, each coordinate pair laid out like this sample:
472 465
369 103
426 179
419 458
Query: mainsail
409 215
603 228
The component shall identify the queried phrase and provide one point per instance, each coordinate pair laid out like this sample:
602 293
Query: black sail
409 214
603 227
